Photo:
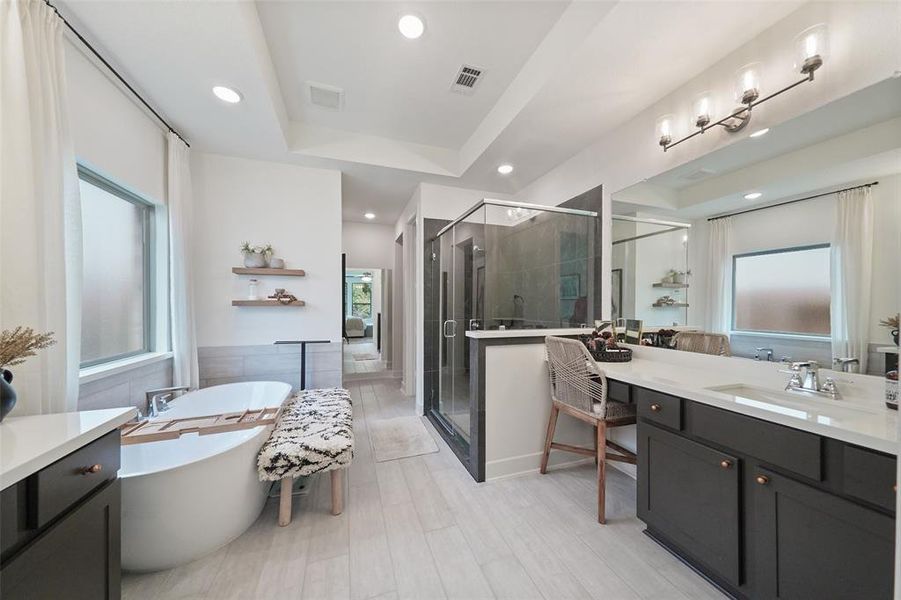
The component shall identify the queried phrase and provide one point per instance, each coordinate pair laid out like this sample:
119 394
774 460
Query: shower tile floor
421 528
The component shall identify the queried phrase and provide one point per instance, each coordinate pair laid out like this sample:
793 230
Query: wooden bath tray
156 431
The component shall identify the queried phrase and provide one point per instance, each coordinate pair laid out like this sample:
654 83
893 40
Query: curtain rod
750 210
116 73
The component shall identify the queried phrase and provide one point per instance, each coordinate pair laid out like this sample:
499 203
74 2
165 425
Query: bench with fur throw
314 434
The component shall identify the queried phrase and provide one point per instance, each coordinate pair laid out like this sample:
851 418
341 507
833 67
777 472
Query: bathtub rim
238 442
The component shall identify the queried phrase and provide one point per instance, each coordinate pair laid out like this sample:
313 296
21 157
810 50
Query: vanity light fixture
760 132
811 49
369 215
505 169
227 94
411 27
753 195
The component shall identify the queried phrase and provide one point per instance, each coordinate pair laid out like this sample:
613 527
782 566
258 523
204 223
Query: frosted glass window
115 292
783 291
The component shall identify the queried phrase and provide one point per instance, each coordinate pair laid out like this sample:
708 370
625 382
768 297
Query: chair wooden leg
596 453
284 502
337 491
602 467
551 425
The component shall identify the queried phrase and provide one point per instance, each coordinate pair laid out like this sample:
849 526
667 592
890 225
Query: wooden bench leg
284 502
337 491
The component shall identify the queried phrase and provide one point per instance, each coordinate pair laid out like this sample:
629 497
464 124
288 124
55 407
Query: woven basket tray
614 355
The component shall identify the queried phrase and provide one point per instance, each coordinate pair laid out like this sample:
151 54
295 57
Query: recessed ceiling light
411 26
753 195
759 132
369 215
505 169
226 94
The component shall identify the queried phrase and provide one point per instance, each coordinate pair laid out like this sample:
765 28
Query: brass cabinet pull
656 407
95 468
762 479
726 464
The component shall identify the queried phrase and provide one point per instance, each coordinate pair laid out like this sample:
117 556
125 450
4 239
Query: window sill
94 373
783 336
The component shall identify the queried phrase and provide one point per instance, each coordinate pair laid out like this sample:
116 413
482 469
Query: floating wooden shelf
266 303
673 286
267 271
674 305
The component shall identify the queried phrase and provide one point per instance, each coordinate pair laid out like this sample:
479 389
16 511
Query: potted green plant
256 257
15 346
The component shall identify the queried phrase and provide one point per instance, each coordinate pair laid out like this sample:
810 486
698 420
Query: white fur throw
314 434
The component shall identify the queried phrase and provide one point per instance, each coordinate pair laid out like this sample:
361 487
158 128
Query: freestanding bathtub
184 498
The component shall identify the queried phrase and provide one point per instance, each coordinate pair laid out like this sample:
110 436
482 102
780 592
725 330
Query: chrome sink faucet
805 378
157 399
845 364
769 354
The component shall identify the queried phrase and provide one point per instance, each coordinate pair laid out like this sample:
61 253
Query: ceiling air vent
468 77
326 96
698 174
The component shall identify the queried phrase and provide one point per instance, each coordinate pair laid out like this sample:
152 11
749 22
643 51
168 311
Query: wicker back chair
703 343
579 389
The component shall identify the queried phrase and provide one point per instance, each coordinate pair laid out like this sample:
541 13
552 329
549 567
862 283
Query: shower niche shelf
268 271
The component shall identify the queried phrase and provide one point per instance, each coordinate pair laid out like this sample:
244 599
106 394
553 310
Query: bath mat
401 437
366 357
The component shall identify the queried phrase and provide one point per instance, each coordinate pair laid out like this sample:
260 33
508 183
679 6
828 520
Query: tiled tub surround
125 388
231 364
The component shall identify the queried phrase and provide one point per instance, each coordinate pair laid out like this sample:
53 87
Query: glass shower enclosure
500 265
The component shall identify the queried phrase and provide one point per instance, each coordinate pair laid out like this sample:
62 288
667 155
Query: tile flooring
361 347
421 528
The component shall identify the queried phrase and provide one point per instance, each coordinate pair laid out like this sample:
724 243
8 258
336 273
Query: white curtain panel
181 290
851 265
719 279
40 212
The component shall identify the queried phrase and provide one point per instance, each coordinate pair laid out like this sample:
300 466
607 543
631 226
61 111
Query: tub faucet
157 399
769 354
844 364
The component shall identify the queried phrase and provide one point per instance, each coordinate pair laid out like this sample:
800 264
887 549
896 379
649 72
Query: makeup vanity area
768 492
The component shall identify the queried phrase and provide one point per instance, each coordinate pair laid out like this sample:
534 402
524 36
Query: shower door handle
453 329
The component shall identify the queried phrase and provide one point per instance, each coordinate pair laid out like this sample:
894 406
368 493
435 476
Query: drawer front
619 391
869 476
659 408
70 479
780 446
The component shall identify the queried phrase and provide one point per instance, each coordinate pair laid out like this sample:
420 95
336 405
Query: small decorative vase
276 263
7 394
667 279
254 260
679 278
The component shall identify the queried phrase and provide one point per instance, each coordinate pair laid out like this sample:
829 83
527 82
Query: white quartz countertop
30 443
859 417
519 333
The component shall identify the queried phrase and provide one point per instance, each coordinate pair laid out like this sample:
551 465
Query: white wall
368 245
298 211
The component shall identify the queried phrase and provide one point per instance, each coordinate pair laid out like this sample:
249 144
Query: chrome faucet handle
769 354
830 388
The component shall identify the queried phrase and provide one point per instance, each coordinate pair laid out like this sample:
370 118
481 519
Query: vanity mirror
784 244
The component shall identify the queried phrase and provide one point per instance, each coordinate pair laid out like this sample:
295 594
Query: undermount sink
796 404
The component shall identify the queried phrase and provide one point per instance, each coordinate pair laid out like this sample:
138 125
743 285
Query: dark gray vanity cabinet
764 510
60 533
813 544
692 494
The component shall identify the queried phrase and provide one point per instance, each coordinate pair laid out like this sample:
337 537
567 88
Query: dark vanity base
681 554
764 510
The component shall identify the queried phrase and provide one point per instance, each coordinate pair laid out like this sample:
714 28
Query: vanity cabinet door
811 544
688 493
76 558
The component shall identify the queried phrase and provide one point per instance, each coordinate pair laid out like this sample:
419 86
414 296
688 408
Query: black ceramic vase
7 394
895 336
